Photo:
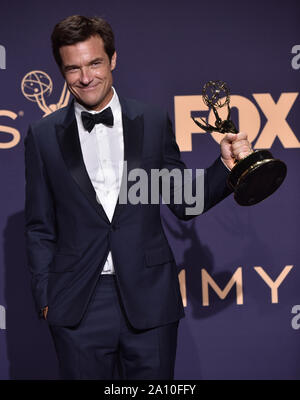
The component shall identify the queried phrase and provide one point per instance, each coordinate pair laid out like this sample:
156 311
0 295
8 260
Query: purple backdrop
167 50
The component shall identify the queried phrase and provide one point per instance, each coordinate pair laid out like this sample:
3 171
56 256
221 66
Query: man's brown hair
78 28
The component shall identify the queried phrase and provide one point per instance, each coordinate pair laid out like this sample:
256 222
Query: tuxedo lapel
133 133
68 138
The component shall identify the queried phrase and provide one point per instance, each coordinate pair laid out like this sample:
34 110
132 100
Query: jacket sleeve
199 190
40 228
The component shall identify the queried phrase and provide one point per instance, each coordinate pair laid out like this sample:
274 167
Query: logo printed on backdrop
36 85
296 59
2 57
7 129
249 119
10 114
237 280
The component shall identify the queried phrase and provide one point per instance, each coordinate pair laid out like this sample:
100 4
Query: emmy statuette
256 176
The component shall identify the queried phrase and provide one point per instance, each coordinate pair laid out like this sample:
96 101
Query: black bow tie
90 120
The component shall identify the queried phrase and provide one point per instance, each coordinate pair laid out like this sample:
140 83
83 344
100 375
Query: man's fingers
235 146
242 155
240 145
230 137
241 150
45 312
233 137
242 136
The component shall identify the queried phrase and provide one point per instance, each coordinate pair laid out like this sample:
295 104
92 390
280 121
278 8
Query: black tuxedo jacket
69 235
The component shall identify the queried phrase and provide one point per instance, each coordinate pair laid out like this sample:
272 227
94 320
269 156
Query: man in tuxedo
103 273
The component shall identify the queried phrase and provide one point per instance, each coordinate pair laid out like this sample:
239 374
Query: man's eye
72 69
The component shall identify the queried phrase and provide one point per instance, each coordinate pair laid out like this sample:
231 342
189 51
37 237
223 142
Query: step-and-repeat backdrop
239 267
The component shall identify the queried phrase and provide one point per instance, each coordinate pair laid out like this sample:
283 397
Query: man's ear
113 61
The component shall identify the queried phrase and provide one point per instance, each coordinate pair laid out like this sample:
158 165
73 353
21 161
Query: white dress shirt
103 155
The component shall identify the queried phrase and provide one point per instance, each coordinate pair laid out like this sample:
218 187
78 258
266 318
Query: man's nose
85 76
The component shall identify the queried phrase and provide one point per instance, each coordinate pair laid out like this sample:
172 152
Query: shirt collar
113 104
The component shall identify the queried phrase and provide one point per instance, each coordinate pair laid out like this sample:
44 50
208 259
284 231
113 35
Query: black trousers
105 346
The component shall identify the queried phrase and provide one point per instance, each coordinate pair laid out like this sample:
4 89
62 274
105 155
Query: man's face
87 70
